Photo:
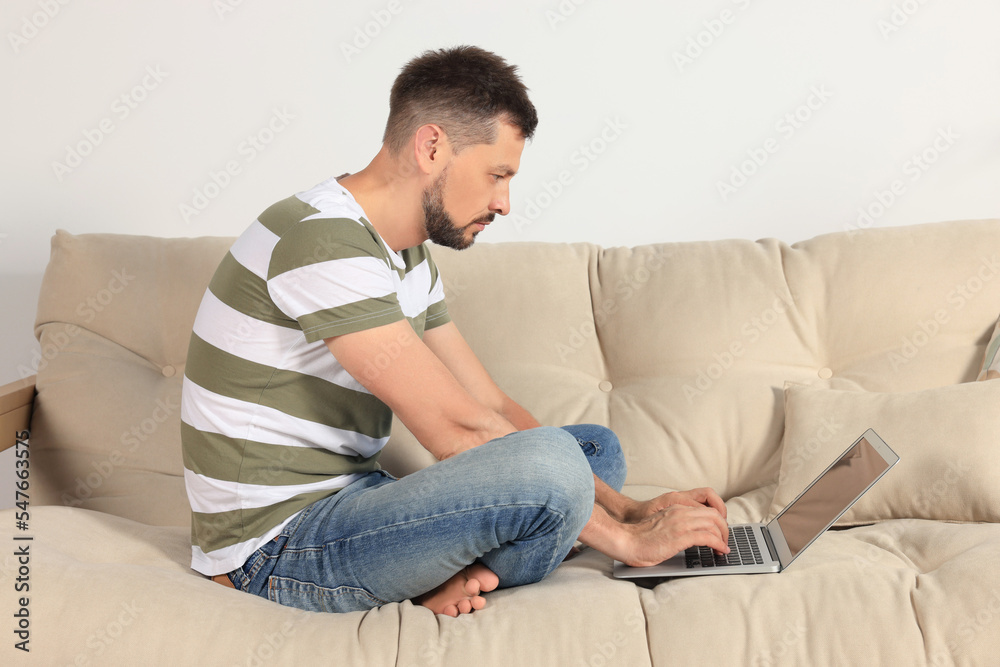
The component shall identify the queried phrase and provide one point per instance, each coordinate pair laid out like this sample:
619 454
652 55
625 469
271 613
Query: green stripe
351 317
414 257
280 216
224 529
322 240
296 394
239 288
264 464
437 314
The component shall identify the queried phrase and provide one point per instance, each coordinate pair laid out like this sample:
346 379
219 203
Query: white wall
659 121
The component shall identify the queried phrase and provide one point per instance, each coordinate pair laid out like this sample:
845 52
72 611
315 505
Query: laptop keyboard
743 550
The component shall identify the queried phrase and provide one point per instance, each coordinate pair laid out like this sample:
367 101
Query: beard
440 227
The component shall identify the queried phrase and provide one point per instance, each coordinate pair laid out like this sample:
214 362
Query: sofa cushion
114 319
683 349
945 437
144 606
905 592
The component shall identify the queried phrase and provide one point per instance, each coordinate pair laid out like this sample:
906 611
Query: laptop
757 547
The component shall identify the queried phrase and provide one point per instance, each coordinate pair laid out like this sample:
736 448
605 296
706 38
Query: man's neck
391 198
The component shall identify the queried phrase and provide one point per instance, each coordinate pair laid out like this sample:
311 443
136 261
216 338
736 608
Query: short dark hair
465 90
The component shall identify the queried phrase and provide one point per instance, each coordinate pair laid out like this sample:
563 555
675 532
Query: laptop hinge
770 545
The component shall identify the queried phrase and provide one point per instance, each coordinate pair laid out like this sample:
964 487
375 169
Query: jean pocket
311 597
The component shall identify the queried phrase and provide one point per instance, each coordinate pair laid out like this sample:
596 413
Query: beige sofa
735 364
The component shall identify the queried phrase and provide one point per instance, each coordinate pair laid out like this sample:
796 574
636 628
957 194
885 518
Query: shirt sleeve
333 277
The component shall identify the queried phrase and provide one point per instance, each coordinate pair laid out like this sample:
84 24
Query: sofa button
825 373
604 385
168 371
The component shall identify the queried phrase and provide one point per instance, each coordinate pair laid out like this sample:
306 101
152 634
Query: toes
464 606
450 610
478 602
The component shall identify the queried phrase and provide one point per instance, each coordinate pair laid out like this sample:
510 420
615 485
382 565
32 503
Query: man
285 409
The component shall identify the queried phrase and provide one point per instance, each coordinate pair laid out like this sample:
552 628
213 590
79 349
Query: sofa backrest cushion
682 349
114 318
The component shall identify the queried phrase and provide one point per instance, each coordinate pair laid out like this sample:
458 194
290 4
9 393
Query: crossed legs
503 514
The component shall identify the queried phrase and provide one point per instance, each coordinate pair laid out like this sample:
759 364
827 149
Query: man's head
465 90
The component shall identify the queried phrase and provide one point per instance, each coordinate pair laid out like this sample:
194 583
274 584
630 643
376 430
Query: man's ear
431 148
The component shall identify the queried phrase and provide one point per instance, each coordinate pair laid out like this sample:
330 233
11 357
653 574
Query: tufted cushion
114 318
683 349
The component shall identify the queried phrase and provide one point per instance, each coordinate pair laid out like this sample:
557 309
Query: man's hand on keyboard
703 497
672 530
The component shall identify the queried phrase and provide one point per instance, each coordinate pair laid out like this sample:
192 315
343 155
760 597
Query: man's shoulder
317 225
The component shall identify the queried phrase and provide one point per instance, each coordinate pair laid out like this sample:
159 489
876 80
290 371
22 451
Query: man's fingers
705 522
710 498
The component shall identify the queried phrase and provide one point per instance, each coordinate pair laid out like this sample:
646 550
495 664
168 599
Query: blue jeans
516 504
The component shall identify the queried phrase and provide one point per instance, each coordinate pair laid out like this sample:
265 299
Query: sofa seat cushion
867 595
133 600
904 592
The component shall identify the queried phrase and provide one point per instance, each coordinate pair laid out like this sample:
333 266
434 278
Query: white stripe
436 292
332 199
229 558
268 344
207 411
414 288
331 196
253 249
310 289
209 496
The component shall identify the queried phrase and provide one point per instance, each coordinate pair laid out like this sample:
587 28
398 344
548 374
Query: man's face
472 189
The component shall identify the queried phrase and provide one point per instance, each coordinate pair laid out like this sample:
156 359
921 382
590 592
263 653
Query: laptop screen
806 517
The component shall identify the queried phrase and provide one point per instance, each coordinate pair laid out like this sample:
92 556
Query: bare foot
461 593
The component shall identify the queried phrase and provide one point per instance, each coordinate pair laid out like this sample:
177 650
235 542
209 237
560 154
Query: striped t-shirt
270 421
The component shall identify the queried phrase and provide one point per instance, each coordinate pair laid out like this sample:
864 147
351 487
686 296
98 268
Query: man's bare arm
447 342
417 386
457 405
